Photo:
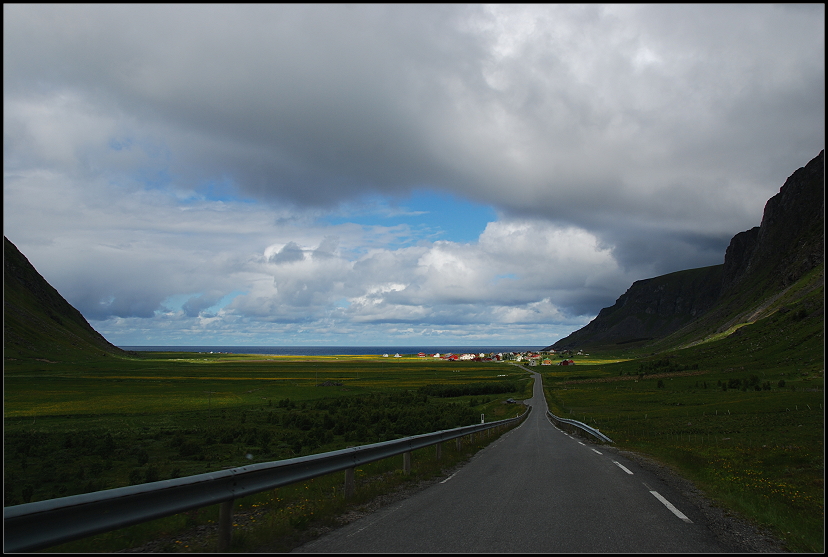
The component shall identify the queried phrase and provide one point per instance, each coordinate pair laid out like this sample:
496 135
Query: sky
396 175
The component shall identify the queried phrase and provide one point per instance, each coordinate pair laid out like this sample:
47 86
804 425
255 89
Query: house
567 363
546 362
421 355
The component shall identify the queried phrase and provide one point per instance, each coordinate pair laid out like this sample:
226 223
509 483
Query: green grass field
164 382
78 428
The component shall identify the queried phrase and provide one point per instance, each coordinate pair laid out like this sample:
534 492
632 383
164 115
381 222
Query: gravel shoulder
733 531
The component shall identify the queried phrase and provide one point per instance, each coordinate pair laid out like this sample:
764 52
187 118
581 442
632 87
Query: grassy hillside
38 323
803 301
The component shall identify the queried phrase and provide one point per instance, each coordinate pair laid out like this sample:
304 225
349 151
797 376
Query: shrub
135 476
151 474
189 448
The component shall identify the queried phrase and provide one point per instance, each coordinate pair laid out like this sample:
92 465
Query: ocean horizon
334 350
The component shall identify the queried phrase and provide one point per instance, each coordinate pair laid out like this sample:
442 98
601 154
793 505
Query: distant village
541 357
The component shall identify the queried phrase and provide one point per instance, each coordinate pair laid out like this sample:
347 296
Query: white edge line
450 477
624 468
599 452
670 506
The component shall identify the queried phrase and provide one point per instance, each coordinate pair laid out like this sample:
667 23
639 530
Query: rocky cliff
791 239
759 263
651 308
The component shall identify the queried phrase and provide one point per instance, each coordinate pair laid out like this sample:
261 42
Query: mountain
38 323
768 268
651 308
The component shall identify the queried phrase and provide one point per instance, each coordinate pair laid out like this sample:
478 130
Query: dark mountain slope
38 323
762 272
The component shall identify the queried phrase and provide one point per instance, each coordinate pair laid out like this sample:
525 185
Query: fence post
407 462
349 482
225 525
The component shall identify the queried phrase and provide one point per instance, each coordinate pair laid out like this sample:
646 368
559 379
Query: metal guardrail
582 426
42 524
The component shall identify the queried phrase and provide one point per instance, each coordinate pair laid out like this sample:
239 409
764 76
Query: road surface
536 489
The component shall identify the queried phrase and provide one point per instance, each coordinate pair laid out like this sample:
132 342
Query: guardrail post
459 442
225 525
407 462
439 447
349 483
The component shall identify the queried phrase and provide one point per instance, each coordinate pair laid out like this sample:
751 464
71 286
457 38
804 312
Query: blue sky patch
438 216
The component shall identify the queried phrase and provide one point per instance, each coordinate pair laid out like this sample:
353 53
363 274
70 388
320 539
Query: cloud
167 150
289 253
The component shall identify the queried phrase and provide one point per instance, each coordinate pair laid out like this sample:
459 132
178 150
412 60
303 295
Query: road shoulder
732 530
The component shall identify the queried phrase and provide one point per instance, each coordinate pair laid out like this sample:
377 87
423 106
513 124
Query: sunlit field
164 382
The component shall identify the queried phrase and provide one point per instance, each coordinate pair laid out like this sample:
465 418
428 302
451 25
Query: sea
334 350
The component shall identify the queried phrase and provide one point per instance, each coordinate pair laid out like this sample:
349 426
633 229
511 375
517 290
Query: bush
151 474
449 391
135 476
140 454
189 448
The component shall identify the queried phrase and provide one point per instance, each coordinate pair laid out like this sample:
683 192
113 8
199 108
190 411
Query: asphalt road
536 489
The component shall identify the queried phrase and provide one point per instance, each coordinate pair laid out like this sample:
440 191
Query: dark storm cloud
318 103
310 103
